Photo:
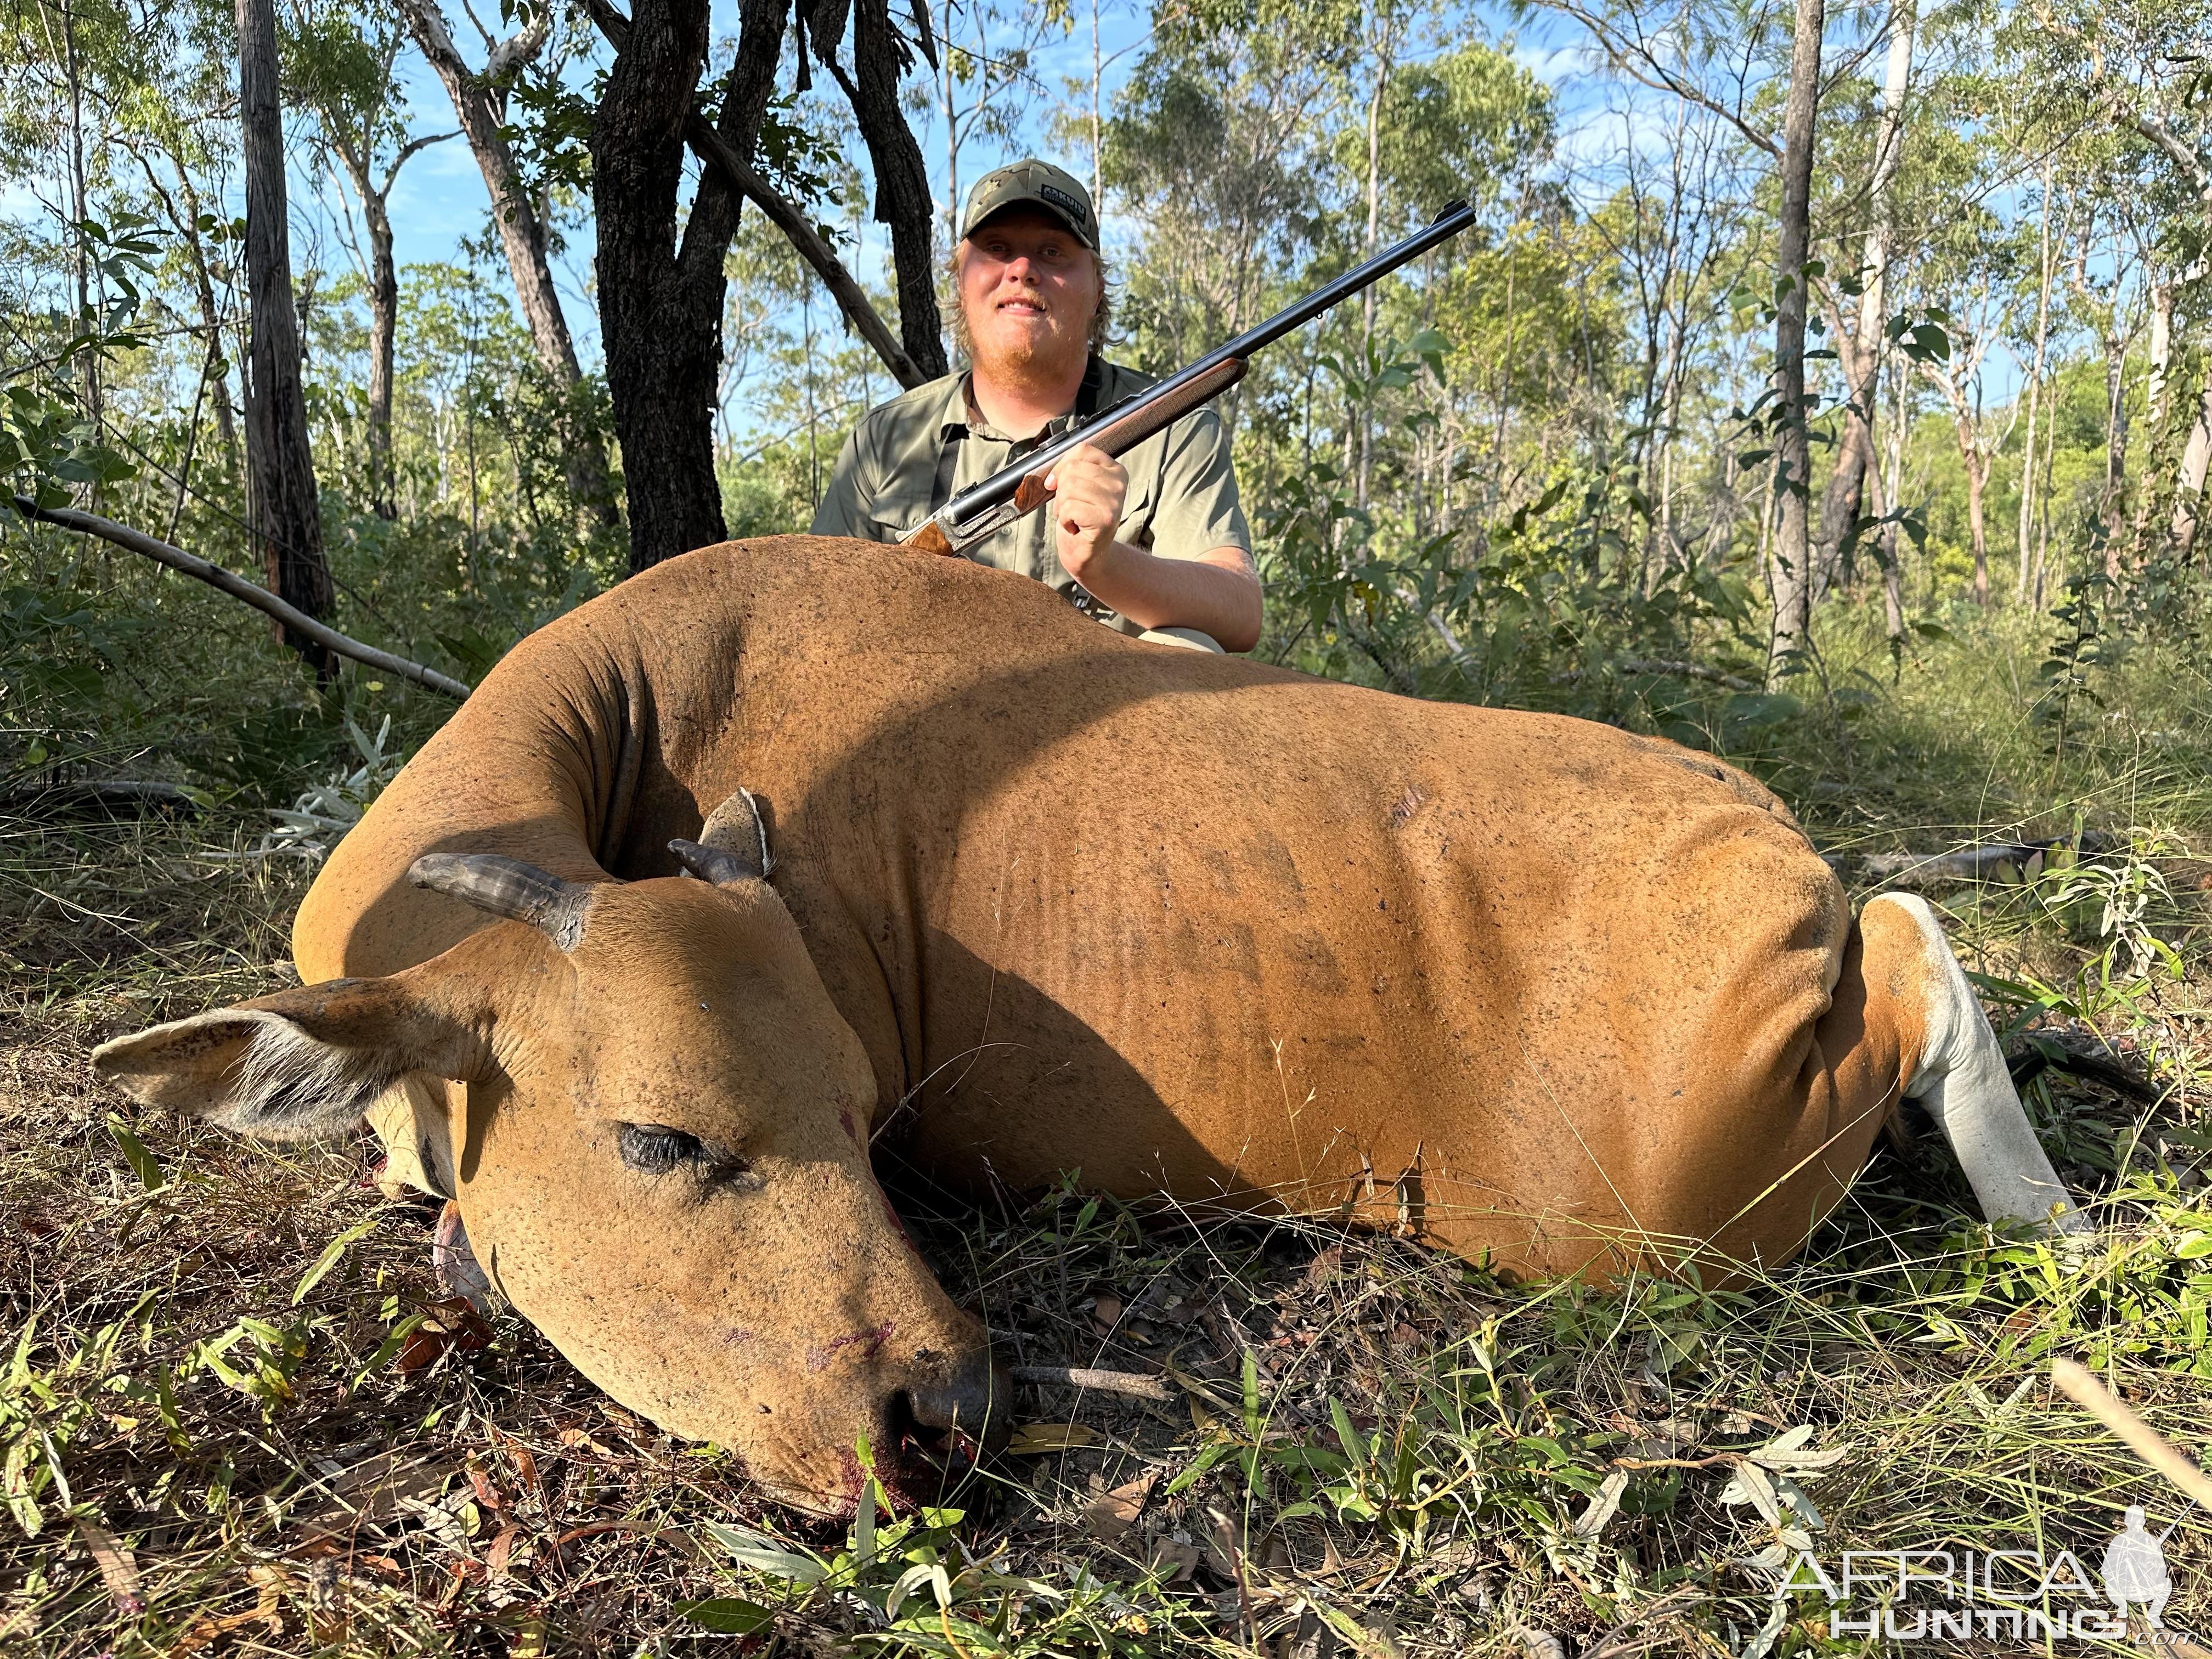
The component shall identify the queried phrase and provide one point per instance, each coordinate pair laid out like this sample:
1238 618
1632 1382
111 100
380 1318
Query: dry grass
216 1443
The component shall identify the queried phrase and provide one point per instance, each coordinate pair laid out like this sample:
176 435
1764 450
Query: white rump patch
1963 1083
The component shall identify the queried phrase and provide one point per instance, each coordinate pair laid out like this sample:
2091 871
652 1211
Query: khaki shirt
909 456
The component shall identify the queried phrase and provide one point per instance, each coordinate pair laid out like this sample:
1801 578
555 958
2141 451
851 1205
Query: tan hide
1545 992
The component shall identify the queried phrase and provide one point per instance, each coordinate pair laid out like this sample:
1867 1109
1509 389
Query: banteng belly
1493 975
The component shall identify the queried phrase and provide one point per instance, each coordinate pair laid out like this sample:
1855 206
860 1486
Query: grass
235 1417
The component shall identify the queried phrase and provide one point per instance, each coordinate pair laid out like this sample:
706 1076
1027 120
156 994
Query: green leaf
329 1259
756 1551
726 1615
143 1162
388 1350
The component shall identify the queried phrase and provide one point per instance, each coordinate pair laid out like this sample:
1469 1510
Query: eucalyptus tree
1860 343
480 100
662 292
1972 265
985 79
340 63
284 507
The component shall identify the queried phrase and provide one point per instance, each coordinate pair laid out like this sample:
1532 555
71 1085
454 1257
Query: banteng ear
738 827
301 1064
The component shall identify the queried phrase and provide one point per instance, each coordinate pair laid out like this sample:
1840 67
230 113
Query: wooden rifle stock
1121 434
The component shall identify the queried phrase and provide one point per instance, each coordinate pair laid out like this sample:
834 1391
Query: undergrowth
236 1412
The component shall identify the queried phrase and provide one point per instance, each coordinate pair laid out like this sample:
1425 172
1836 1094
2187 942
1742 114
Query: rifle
1017 490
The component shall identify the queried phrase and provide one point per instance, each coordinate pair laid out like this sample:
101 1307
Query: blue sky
440 198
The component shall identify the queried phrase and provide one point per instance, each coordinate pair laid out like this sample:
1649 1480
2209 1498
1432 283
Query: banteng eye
653 1149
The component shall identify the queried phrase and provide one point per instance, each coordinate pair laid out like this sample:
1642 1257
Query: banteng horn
508 887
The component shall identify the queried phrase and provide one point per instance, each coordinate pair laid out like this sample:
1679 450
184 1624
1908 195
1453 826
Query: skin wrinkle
1602 996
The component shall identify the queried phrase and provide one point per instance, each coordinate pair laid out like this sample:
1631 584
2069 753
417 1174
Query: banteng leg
1960 1075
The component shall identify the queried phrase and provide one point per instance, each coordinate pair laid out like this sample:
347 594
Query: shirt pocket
899 506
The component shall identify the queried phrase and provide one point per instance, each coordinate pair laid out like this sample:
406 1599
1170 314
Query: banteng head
656 1124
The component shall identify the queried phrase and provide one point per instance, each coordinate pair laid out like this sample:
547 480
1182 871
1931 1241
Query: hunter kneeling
1155 544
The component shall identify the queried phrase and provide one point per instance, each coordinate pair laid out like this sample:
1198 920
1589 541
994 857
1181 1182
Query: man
1155 543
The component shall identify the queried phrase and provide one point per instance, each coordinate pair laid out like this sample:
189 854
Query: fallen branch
2045 1054
1687 670
2140 1438
2009 861
91 524
1133 1383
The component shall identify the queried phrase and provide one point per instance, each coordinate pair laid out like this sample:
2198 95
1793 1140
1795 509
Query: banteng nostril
952 1418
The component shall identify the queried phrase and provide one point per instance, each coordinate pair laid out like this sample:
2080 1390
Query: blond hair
1101 320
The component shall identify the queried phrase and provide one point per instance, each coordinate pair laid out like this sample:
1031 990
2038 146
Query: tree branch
1655 74
2183 157
713 146
407 149
298 621
717 151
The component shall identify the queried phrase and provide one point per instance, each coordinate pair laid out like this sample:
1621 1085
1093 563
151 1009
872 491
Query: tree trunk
2189 479
1364 413
2116 444
903 200
2028 454
1792 589
522 237
382 335
1978 472
1892 542
282 502
215 371
2159 379
1864 354
660 301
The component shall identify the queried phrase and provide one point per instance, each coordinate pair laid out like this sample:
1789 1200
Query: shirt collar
960 414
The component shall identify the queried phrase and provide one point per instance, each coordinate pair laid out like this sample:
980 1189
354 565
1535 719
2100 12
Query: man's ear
303 1063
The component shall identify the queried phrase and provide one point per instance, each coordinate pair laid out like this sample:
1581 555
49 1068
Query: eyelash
654 1149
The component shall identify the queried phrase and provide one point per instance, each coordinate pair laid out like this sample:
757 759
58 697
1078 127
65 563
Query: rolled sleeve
1198 508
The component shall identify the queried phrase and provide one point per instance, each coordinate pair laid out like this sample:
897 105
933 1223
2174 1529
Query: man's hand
1089 487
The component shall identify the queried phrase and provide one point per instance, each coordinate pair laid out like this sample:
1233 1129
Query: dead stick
2143 1440
1134 1383
91 524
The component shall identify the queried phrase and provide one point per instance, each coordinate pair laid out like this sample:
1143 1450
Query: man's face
1027 290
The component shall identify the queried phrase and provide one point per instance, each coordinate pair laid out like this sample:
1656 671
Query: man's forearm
1215 592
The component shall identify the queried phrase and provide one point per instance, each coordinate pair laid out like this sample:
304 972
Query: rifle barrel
996 489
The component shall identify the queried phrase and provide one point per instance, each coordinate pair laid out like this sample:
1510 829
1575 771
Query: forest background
1828 388
1770 313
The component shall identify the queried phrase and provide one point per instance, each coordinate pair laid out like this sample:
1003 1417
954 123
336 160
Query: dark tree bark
881 57
660 301
479 100
1792 574
282 502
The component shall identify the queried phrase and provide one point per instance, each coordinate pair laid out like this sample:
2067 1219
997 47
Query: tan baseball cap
1032 182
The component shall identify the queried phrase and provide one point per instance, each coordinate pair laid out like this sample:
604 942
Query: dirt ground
239 1412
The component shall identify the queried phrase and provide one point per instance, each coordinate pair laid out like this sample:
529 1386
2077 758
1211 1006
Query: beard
1023 358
